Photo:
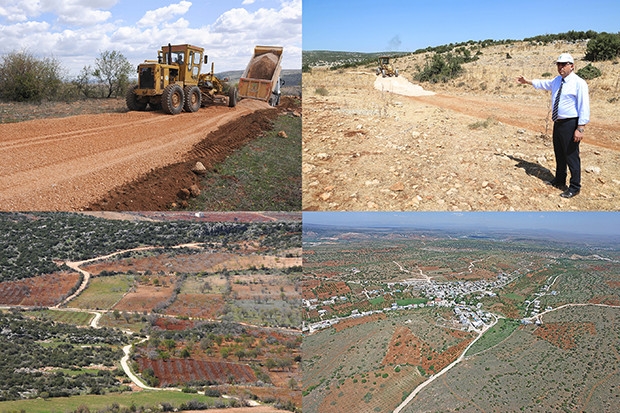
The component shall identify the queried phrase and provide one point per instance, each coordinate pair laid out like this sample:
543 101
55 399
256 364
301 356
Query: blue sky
76 31
408 25
594 223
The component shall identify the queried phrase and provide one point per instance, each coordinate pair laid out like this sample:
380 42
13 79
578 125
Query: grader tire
232 97
133 101
193 98
173 99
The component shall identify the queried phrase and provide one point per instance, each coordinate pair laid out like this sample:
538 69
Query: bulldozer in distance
174 83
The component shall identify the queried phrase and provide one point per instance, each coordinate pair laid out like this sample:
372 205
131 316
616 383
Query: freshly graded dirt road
64 164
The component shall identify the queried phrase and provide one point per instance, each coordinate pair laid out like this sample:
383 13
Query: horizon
603 224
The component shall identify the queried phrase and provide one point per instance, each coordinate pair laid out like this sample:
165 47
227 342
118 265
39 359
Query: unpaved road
64 164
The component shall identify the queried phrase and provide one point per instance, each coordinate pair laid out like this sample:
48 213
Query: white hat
565 58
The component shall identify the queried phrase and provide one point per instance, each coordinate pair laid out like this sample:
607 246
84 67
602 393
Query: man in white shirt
570 113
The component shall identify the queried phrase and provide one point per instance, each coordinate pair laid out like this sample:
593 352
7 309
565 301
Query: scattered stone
282 134
325 196
184 194
199 168
194 190
397 187
323 156
593 170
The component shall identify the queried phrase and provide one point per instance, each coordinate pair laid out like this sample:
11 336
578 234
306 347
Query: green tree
113 69
604 46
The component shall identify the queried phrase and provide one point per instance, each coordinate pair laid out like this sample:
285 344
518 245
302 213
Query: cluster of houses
451 290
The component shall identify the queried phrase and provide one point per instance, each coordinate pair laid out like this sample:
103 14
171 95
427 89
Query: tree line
27 78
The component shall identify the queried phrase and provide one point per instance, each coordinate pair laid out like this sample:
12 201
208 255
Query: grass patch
265 175
482 124
150 399
500 331
377 301
77 318
103 292
411 301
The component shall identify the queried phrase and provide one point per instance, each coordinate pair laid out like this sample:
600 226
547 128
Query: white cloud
229 39
248 2
157 16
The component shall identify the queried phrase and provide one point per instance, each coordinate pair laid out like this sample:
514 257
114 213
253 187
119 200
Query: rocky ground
482 142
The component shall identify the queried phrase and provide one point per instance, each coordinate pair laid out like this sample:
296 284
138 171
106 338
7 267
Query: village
469 315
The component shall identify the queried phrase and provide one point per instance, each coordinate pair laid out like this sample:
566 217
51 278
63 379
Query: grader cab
174 83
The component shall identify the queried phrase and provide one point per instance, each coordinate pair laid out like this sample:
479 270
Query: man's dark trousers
566 153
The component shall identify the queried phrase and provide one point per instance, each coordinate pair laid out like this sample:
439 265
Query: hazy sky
76 31
595 223
408 25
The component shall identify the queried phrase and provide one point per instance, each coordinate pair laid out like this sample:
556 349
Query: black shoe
569 193
556 184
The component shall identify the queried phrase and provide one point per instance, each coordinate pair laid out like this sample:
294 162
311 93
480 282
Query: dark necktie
556 103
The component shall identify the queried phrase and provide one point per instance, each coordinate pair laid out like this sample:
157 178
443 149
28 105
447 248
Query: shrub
440 69
589 72
24 78
321 91
604 46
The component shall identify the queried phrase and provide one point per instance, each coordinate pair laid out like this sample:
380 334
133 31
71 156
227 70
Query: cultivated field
480 143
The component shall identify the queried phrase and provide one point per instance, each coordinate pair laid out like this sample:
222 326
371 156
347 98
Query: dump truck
174 83
261 78
386 68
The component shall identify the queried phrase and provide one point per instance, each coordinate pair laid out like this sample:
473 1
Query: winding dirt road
65 163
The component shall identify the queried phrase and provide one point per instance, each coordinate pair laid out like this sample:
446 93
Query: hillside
481 142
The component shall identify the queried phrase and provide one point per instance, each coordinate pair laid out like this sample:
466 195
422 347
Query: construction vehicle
386 68
261 78
174 83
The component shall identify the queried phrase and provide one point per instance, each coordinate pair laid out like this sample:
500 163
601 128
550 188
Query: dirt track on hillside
65 164
368 149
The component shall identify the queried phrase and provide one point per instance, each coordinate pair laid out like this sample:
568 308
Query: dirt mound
400 86
263 66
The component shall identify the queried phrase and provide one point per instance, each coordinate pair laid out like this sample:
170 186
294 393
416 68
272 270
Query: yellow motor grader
174 83
386 68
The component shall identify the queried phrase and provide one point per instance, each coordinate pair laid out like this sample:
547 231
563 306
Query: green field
411 301
78 318
498 333
103 292
69 404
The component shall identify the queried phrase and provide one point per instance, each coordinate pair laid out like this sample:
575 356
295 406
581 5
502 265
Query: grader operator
174 83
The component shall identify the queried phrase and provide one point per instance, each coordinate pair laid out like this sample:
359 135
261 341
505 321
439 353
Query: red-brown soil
351 322
144 298
69 163
173 324
45 290
207 306
406 348
175 371
563 334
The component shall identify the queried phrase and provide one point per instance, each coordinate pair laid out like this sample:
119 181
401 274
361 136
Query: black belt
565 120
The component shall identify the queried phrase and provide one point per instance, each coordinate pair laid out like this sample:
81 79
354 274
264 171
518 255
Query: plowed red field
176 371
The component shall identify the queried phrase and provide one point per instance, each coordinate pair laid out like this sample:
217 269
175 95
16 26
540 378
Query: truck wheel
396 73
172 99
382 72
133 101
193 98
232 97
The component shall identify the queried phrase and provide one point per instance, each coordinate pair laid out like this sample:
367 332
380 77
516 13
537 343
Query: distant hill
335 58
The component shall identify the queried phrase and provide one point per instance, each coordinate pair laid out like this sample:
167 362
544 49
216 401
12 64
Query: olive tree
24 78
113 69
